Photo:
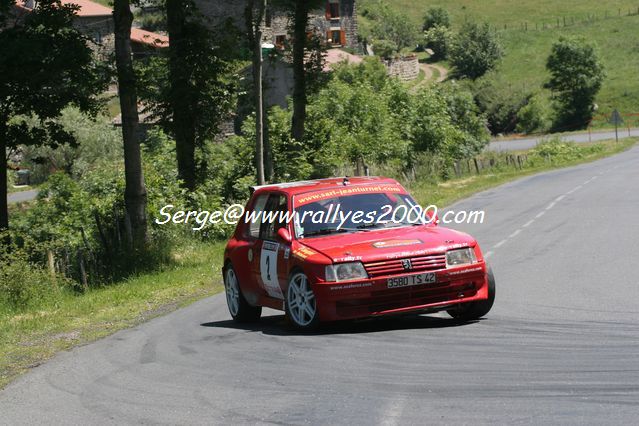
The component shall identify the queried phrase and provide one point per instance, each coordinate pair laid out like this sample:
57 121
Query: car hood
389 243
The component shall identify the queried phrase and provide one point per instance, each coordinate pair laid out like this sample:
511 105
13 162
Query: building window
336 37
332 9
280 41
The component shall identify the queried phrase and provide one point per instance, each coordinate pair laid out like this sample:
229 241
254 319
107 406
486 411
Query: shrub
532 117
23 284
436 17
439 39
476 50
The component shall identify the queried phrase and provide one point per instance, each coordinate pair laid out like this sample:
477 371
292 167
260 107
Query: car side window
258 207
276 207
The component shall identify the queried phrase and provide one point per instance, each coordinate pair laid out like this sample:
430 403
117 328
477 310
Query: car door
273 253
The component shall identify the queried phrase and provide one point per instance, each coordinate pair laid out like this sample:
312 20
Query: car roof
300 187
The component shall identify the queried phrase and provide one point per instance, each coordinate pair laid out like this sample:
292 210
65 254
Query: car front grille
431 262
384 300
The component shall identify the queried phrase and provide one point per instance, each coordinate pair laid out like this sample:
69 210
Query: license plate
410 280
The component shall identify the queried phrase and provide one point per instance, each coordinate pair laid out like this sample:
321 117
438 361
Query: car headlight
460 257
345 272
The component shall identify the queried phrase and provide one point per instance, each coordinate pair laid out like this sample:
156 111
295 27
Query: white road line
530 222
499 244
540 214
558 199
514 234
551 205
488 254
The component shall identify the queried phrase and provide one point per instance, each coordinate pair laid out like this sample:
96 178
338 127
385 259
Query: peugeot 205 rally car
327 250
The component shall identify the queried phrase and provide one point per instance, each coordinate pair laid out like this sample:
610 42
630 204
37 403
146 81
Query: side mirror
431 218
284 235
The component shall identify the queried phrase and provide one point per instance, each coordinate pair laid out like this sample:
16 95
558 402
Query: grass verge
447 192
31 337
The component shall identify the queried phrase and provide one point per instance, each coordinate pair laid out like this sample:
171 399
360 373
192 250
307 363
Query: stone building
96 22
336 22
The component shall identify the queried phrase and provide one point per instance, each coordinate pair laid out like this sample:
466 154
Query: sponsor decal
287 252
250 255
396 243
345 191
351 286
303 252
268 269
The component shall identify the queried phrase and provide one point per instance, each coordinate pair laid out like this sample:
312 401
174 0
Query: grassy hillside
607 24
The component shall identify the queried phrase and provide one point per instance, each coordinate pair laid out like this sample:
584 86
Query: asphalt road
561 345
531 142
19 197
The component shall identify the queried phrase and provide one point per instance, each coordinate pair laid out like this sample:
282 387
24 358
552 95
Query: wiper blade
327 231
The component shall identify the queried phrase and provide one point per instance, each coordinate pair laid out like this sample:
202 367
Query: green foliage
392 25
533 117
58 70
436 17
22 283
206 92
557 150
438 38
576 75
476 50
371 70
385 48
99 143
500 101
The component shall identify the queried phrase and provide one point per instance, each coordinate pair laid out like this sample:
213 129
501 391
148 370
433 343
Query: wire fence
564 21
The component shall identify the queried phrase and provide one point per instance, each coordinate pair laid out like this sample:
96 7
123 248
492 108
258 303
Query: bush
439 39
532 117
476 50
500 101
390 24
23 284
385 48
436 17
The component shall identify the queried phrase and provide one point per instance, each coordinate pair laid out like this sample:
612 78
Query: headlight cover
345 271
459 257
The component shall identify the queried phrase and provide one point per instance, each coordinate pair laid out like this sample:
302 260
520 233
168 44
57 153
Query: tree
439 39
436 17
135 190
389 24
576 75
475 50
254 17
190 92
45 66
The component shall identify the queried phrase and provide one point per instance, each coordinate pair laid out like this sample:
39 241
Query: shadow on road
278 325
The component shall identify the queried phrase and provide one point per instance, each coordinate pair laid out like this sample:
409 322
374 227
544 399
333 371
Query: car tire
239 308
475 310
301 305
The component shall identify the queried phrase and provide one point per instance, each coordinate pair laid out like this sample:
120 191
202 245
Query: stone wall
406 68
100 30
277 23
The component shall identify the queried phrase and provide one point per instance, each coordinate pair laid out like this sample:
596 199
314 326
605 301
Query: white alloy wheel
232 288
300 300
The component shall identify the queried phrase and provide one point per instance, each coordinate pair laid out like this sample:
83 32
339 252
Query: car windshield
356 213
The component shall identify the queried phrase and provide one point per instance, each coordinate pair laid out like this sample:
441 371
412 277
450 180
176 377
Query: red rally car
325 250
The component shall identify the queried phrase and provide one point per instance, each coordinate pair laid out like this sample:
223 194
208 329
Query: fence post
476 165
83 272
51 263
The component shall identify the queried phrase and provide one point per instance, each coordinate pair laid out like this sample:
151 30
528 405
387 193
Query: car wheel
475 310
239 308
301 305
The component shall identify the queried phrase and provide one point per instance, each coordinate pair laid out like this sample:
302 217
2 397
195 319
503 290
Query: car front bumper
372 297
